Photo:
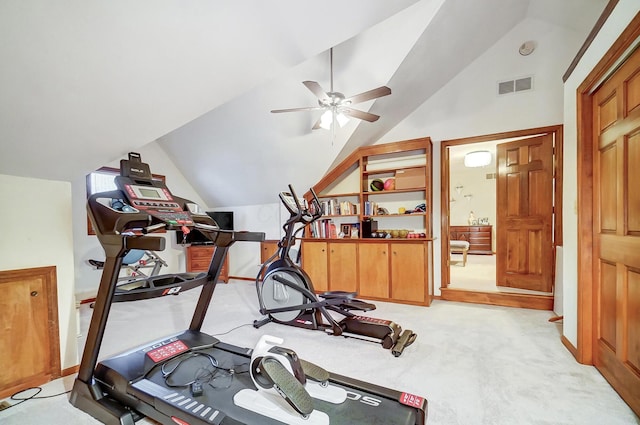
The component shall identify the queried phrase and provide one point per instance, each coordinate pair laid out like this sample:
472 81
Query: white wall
469 106
38 232
87 246
617 22
244 257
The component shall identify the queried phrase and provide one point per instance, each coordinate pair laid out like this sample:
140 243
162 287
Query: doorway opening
480 242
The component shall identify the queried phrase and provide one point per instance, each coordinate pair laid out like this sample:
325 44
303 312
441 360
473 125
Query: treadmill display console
167 351
157 201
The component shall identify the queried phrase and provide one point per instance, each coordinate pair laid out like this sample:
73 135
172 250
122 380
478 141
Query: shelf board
339 195
386 192
337 215
367 239
395 215
389 170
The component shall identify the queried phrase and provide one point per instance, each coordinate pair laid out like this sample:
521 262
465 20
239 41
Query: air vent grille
515 85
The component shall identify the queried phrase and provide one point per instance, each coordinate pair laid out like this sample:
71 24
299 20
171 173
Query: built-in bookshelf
401 201
338 250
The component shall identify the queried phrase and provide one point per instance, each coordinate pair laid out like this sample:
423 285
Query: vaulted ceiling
83 83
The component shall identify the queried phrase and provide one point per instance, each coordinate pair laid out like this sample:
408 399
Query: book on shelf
335 207
370 208
323 229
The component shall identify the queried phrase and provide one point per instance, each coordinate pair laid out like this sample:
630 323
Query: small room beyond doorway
470 220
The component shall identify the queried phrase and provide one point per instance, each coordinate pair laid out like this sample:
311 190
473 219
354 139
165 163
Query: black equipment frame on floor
121 389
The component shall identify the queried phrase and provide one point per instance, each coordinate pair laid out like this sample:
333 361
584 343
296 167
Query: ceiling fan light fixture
342 119
477 159
326 119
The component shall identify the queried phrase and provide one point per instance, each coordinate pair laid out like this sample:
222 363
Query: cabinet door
342 267
314 262
408 271
199 258
373 270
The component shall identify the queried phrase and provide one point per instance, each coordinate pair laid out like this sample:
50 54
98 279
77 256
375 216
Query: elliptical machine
286 294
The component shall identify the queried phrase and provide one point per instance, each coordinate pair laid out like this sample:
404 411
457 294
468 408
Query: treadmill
190 378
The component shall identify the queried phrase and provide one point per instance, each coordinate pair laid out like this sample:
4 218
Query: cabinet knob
34 293
384 252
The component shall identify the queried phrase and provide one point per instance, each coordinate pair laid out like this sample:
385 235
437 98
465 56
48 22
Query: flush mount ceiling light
527 48
477 159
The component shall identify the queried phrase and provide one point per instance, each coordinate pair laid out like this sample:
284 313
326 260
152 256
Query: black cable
233 329
31 397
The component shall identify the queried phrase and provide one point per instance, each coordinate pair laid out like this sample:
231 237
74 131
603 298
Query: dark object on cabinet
479 238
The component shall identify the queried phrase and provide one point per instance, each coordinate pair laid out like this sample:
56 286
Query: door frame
586 309
540 302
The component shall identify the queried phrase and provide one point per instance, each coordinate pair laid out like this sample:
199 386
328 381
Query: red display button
411 400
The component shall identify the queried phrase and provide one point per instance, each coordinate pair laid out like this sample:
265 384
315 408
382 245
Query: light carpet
475 364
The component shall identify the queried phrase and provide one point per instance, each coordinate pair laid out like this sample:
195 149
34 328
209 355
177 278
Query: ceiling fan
337 107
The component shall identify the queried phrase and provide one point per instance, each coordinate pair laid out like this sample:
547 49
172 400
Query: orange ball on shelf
390 184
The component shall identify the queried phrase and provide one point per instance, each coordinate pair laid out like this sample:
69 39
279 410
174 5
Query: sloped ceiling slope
83 83
245 155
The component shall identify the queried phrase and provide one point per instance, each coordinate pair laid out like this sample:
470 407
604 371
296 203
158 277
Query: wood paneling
525 214
199 259
314 263
536 302
373 259
632 180
616 247
633 92
607 112
343 275
608 189
608 304
408 272
29 338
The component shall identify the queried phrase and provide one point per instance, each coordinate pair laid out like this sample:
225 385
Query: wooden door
314 262
373 273
408 272
525 214
29 340
343 274
616 131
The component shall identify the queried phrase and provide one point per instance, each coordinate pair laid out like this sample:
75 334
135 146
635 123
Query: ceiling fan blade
317 90
309 108
355 113
368 95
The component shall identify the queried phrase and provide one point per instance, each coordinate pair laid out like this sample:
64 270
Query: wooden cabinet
479 238
343 275
376 269
373 264
199 258
330 265
408 271
396 269
267 249
314 263
30 348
